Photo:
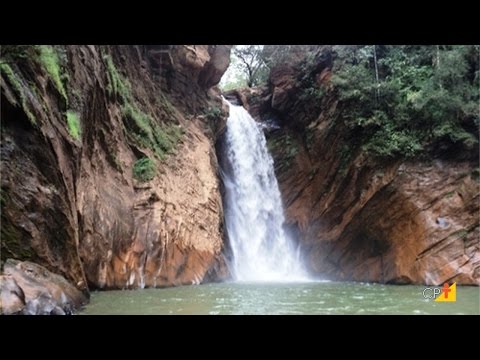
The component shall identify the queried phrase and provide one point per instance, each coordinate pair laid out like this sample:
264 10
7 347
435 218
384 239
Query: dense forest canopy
398 100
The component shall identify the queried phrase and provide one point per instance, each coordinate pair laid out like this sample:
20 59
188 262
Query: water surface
282 298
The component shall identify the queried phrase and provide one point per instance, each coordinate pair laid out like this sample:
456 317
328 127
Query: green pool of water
282 298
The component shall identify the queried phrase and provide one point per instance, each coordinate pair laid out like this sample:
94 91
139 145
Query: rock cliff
109 177
356 217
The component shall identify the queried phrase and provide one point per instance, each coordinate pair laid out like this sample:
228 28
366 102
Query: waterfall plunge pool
262 251
281 298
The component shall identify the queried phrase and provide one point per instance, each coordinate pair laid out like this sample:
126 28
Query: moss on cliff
18 88
117 84
50 60
73 123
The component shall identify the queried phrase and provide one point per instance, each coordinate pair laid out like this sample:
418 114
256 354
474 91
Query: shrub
144 169
213 113
117 84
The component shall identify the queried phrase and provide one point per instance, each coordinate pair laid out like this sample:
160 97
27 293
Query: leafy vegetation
140 126
166 104
284 147
49 59
73 123
14 81
213 113
117 84
248 67
162 139
13 53
251 64
144 169
141 121
312 92
403 100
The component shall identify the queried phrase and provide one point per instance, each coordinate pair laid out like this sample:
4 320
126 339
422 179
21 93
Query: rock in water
12 298
30 289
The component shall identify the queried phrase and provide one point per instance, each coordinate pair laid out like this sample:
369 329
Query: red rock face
420 228
75 207
361 219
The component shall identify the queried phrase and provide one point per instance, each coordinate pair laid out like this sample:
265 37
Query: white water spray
254 217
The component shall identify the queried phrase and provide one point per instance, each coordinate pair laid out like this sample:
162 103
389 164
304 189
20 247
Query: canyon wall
109 174
357 217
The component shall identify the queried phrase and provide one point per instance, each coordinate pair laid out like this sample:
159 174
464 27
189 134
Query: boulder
30 289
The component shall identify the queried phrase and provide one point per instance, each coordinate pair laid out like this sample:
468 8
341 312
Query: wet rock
75 207
31 289
12 298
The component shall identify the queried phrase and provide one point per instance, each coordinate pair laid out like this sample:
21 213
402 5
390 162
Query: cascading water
254 217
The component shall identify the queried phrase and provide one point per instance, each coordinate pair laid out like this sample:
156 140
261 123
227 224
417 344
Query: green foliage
16 84
213 113
234 77
312 92
117 84
167 137
291 147
274 55
166 104
144 169
15 52
345 154
237 82
140 126
14 81
162 139
284 148
388 142
249 61
141 121
49 59
426 96
251 64
73 123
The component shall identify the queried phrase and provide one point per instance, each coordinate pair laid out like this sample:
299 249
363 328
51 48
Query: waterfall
254 218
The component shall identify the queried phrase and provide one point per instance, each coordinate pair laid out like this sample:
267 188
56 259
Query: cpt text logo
443 294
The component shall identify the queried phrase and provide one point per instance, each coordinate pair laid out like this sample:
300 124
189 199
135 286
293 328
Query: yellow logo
449 293
441 294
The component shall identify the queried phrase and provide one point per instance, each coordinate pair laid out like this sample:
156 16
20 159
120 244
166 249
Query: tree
376 71
251 63
429 98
